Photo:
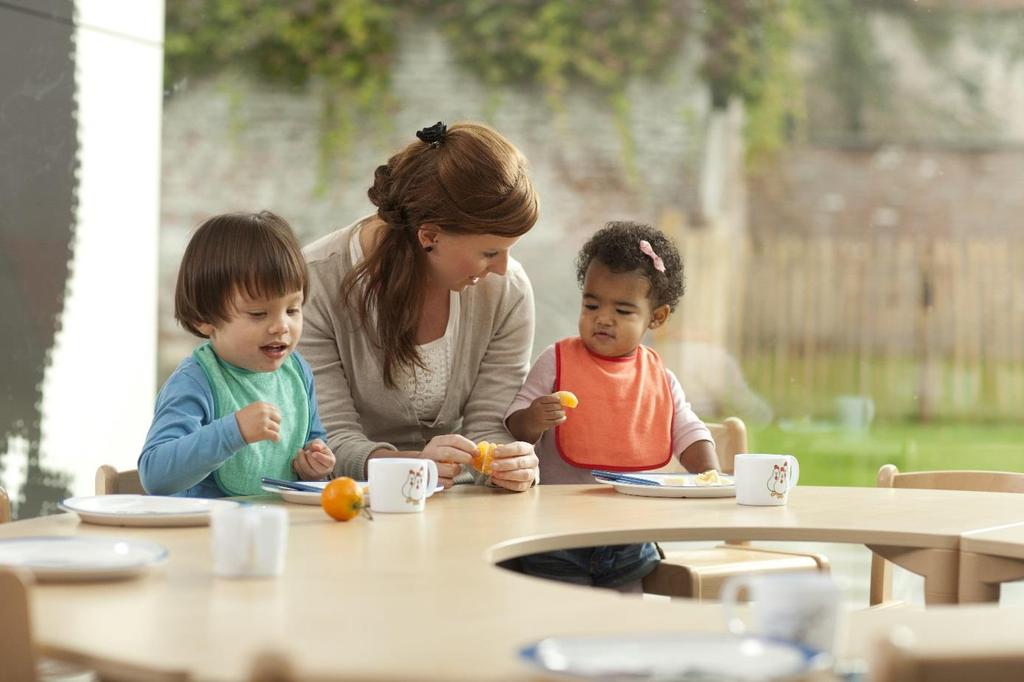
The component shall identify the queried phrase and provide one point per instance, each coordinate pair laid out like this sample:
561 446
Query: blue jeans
611 566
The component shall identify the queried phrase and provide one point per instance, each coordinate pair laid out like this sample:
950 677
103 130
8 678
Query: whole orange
342 499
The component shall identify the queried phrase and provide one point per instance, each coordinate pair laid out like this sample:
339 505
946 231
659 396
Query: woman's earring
428 249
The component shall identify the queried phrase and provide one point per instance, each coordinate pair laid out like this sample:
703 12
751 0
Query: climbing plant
345 44
556 45
747 55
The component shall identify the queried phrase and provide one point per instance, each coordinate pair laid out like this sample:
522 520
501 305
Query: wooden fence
927 327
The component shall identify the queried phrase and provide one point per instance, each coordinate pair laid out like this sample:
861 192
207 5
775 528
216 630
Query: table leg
981 576
940 569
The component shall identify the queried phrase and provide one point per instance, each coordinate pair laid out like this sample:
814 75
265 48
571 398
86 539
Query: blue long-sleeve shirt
186 443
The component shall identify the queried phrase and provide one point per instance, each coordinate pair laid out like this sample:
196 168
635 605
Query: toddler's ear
659 315
205 328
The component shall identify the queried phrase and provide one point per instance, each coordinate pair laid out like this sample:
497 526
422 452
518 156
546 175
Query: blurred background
845 179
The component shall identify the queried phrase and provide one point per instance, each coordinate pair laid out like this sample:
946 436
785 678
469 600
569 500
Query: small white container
249 541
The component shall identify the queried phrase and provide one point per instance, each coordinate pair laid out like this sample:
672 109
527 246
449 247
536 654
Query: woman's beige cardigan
360 414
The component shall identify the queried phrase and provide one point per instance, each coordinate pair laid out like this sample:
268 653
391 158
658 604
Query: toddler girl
632 414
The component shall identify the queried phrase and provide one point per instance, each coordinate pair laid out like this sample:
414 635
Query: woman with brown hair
416 350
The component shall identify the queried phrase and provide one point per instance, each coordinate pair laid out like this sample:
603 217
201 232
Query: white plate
301 496
672 657
144 510
305 497
80 558
672 485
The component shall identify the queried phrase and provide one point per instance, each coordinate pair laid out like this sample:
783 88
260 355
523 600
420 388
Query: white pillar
99 389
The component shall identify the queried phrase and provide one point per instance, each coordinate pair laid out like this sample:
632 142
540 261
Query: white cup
401 484
796 607
765 480
249 540
855 412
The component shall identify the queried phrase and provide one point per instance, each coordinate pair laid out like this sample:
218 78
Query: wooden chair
897 658
20 660
16 649
109 481
275 666
890 477
700 573
5 506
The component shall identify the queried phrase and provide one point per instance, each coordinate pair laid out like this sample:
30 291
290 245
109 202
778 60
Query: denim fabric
611 566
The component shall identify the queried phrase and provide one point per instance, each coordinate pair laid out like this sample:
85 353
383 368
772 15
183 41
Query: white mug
765 480
796 607
249 540
855 412
401 484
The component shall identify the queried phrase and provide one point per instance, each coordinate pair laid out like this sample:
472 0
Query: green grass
797 385
829 456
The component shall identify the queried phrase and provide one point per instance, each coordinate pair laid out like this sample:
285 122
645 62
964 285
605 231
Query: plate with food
708 484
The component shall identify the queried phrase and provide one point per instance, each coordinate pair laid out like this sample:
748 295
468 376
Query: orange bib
624 419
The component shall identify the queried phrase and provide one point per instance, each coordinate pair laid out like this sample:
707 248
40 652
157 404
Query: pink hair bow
659 264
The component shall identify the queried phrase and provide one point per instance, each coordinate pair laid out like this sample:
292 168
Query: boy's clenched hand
259 421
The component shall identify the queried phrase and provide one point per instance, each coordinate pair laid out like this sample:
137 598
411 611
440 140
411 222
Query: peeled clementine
342 499
484 456
567 398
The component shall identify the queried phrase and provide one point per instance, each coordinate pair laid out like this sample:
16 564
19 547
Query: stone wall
231 144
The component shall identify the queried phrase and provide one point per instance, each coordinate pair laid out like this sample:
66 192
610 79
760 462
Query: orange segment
567 398
484 456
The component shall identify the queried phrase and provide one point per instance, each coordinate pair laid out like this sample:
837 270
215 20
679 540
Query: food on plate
709 477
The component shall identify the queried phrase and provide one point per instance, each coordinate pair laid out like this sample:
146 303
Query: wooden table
417 596
988 558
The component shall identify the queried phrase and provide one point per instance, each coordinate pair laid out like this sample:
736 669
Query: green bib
234 388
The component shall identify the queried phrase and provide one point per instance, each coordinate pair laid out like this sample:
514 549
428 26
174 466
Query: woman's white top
425 386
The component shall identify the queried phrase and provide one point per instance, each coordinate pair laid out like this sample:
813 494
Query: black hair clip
434 135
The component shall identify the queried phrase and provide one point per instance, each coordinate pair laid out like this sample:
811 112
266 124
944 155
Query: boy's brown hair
253 253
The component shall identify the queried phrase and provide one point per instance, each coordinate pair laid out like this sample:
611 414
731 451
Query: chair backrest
730 440
979 481
16 649
889 476
5 506
110 481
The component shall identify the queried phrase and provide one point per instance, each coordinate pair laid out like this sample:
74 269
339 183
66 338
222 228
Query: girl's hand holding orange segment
567 398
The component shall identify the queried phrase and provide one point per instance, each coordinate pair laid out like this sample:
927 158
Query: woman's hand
450 452
514 466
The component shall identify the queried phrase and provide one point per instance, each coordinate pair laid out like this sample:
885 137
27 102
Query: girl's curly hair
617 247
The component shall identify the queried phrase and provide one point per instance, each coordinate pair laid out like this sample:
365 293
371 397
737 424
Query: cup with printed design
803 608
401 484
765 480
